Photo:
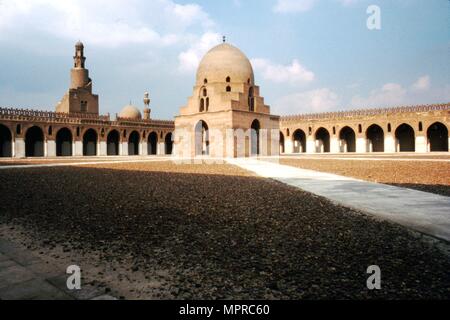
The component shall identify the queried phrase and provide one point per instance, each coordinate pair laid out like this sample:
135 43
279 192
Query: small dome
79 44
130 112
225 61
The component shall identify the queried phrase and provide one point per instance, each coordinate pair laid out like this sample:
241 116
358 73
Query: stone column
102 150
143 149
361 145
161 148
78 149
389 143
124 151
334 145
311 145
288 146
50 148
421 143
19 148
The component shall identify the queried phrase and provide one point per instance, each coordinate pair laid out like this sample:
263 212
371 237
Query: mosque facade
226 116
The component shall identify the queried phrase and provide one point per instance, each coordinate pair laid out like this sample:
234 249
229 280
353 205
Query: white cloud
423 83
348 2
293 6
109 23
388 94
293 73
318 100
290 6
394 94
189 59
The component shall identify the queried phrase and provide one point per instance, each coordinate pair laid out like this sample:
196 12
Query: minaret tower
79 98
146 108
79 75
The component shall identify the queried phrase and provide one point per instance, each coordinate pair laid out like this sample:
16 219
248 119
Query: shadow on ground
219 236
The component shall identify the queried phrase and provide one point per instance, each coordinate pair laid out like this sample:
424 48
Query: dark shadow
229 235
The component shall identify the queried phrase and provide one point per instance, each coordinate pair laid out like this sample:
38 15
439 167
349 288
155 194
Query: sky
308 55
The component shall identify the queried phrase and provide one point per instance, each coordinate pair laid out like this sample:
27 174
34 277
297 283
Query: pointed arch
112 143
133 143
437 135
152 143
168 143
322 140
90 139
34 142
299 141
201 138
348 139
255 139
282 148
375 138
64 142
405 138
5 141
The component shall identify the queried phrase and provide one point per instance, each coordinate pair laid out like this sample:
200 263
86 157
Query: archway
201 138
437 135
375 137
168 143
152 143
348 139
90 143
64 143
405 138
322 140
112 143
299 138
254 138
34 142
133 144
281 142
5 142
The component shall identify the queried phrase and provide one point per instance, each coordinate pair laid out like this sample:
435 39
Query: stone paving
25 276
424 212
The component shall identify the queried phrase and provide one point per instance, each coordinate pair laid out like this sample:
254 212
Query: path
425 212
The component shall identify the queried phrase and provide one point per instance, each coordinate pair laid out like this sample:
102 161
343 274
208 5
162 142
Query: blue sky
308 55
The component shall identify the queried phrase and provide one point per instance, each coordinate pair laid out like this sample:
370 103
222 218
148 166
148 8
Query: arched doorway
281 142
34 142
90 143
112 143
375 138
5 142
405 138
152 143
299 139
348 139
64 143
254 138
437 135
322 140
133 144
201 138
168 143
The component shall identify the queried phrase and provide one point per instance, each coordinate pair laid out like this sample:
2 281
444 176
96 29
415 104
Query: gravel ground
159 230
426 176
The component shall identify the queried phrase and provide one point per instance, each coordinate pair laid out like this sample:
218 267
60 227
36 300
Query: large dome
130 112
224 61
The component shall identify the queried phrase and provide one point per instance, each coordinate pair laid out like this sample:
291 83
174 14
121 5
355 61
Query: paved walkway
422 211
24 276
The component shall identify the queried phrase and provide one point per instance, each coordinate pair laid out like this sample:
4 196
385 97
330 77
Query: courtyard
153 229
